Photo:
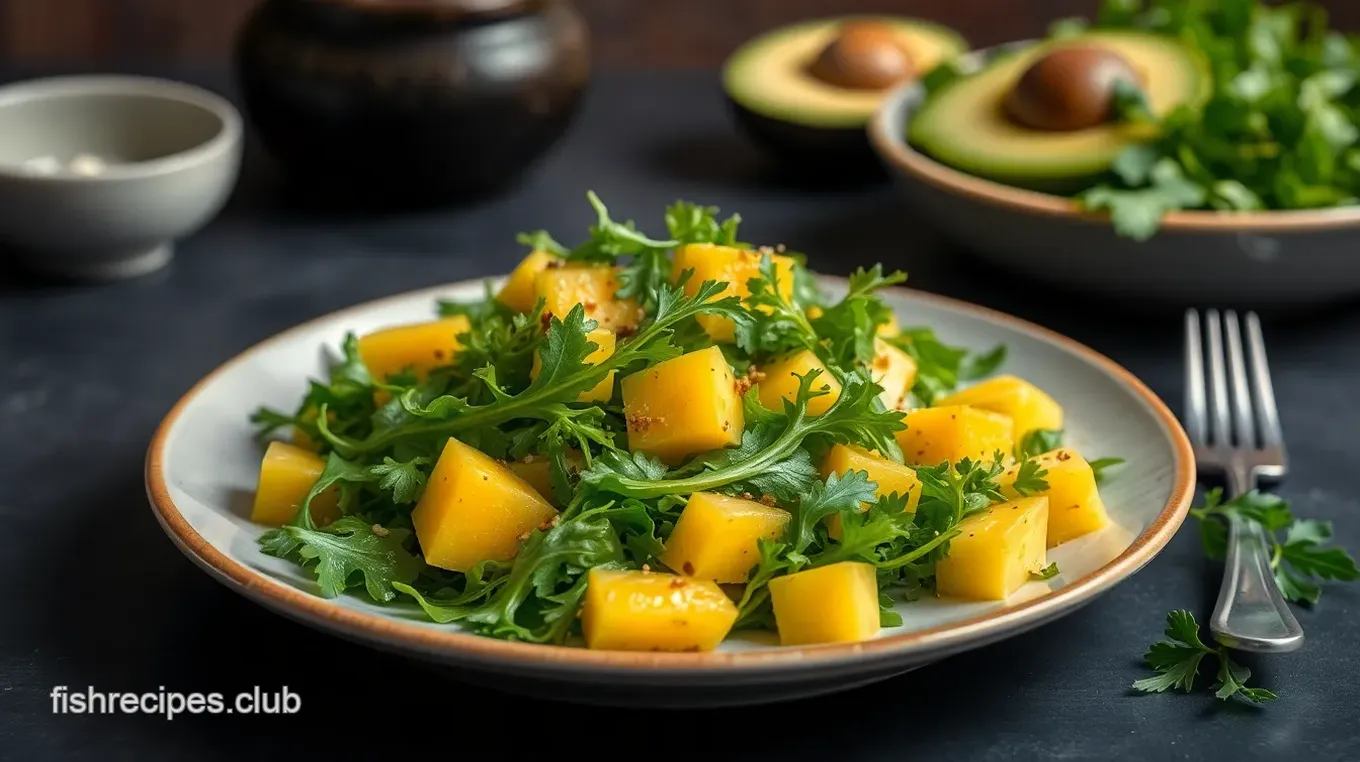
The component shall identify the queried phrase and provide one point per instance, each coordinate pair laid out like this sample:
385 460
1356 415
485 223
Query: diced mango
475 509
890 328
648 611
1027 405
418 347
730 265
716 536
995 551
536 469
1074 504
781 382
593 287
601 392
686 405
518 291
889 475
895 371
828 604
287 474
938 434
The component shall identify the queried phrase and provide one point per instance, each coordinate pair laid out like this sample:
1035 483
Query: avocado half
804 120
966 127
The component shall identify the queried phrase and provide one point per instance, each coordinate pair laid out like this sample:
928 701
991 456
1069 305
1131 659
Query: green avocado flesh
769 75
966 127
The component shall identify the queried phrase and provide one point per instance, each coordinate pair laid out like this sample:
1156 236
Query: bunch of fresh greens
1278 130
382 436
1300 558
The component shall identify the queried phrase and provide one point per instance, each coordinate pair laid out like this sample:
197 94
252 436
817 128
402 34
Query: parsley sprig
1177 660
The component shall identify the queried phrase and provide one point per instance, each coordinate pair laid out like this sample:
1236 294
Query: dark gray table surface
93 594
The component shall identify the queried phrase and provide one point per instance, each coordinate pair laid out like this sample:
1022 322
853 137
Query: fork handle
1251 614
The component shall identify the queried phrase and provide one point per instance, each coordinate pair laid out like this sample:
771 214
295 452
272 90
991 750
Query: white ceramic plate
201 473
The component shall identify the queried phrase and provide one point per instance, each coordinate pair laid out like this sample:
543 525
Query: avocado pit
1070 88
864 55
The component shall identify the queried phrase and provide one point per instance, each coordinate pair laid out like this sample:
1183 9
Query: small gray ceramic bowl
1258 259
99 175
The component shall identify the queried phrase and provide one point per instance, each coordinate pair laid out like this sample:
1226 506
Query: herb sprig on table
1278 130
382 436
1300 559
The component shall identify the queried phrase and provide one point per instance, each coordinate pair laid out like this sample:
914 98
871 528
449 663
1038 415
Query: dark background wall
665 33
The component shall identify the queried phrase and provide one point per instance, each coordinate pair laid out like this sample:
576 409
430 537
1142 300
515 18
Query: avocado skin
811 151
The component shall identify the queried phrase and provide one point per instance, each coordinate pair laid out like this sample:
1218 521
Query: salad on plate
652 443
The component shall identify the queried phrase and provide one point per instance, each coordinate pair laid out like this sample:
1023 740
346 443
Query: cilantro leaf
404 480
1101 465
850 326
540 240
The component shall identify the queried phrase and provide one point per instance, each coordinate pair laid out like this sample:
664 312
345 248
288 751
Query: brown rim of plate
410 637
895 150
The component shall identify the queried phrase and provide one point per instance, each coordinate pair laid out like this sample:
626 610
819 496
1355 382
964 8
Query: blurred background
626 33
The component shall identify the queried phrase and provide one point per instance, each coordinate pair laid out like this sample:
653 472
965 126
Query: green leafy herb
1278 130
1300 555
350 548
1048 572
1038 442
1177 659
941 367
1029 479
851 326
1101 465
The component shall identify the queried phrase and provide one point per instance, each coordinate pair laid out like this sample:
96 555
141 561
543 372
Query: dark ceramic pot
411 101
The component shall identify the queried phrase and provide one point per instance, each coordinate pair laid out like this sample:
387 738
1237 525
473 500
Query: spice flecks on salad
646 443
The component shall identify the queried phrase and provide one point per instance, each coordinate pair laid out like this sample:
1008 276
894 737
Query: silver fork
1235 429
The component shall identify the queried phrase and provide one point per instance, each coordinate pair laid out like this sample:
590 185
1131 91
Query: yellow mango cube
996 551
287 474
683 406
604 341
593 287
716 536
475 509
828 604
418 347
1027 405
730 265
517 292
895 371
649 611
781 382
938 434
889 475
1074 504
890 328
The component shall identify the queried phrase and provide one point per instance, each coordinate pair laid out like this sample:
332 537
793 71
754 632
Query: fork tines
1236 412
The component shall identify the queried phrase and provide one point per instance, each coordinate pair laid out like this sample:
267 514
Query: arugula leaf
1299 559
1176 661
350 547
777 324
850 326
940 367
550 566
774 454
563 375
835 495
